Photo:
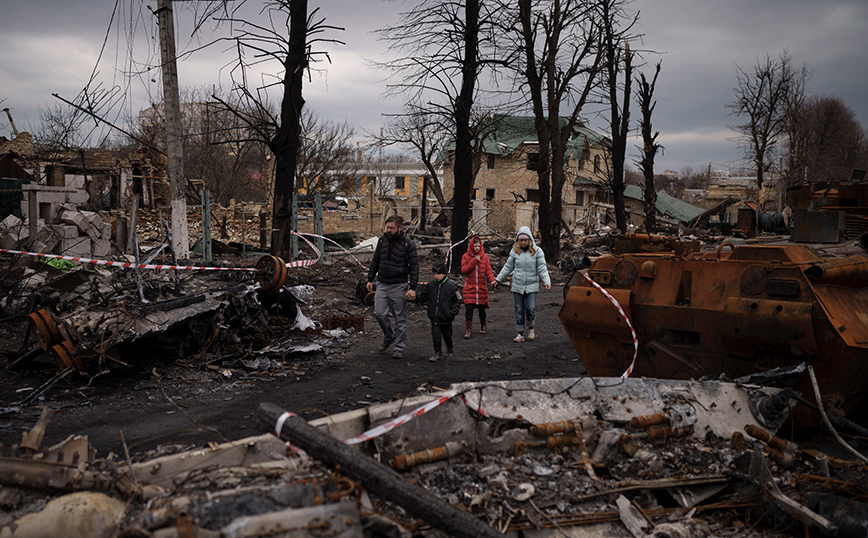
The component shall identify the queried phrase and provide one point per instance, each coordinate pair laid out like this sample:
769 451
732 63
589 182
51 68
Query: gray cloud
52 46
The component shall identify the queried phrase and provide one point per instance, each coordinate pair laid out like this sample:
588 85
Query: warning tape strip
126 265
133 265
403 419
279 427
388 426
449 252
629 369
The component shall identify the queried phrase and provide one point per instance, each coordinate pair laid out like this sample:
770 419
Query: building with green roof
510 158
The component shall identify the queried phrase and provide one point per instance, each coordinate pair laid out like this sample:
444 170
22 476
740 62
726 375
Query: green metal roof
510 133
666 205
583 180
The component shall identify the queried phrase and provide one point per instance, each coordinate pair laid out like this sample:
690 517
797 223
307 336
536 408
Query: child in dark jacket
444 303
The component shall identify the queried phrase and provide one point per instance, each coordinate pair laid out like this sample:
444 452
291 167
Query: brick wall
21 144
501 219
340 221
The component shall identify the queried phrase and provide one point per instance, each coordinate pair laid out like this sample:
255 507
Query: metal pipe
850 271
818 396
408 461
11 121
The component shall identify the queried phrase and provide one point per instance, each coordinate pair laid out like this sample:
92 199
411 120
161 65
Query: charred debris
681 449
552 457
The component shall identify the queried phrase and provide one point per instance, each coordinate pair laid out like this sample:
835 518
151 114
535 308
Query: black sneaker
449 353
435 357
384 346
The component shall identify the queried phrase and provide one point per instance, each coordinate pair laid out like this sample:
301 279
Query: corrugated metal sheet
666 204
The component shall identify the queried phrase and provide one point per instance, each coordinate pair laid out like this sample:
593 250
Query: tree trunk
376 477
286 142
463 171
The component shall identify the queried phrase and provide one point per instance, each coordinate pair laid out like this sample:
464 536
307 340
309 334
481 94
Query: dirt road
197 403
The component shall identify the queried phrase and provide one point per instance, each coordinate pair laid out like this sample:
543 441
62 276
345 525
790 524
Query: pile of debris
96 320
72 232
577 457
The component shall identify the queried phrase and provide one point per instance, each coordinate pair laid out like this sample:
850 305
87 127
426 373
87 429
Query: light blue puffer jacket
526 268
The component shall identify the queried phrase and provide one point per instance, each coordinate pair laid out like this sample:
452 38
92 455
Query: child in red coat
476 268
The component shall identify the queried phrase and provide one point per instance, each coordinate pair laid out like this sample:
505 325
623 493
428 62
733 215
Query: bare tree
619 64
326 157
444 45
293 52
826 141
650 147
761 98
561 57
421 132
219 147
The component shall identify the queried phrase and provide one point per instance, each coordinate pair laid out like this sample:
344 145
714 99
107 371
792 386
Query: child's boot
468 329
483 326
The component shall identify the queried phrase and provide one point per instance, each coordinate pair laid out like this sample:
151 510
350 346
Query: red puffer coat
477 275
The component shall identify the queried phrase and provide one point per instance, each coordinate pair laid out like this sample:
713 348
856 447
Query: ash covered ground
191 398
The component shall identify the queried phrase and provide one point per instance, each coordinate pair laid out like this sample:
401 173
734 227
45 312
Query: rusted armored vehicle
736 310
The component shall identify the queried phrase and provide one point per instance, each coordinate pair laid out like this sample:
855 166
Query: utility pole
174 144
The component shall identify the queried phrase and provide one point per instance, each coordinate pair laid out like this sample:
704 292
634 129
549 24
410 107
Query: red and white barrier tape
363 266
388 426
132 265
449 252
126 265
629 369
403 419
278 427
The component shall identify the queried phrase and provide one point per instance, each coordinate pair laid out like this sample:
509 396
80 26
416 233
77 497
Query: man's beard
390 235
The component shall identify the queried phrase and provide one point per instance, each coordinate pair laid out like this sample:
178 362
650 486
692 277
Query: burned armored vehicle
735 310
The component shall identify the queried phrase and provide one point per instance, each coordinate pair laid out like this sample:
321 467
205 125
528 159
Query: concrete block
92 216
39 246
77 246
77 197
43 233
50 244
51 197
77 219
8 241
101 248
65 231
11 222
105 231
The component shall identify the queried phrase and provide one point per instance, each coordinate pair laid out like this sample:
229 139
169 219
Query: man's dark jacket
397 266
444 301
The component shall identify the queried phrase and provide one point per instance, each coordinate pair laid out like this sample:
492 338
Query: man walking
396 267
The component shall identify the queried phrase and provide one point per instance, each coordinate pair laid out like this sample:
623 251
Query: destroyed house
508 170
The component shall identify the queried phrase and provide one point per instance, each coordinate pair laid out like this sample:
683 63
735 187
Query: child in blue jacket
527 264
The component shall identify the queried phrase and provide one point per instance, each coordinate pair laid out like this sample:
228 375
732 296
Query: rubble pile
93 321
489 455
72 232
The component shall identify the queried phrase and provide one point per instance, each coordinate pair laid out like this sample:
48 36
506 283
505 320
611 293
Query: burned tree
281 131
443 47
618 64
560 61
650 147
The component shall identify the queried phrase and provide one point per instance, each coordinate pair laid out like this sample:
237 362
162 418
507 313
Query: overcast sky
52 46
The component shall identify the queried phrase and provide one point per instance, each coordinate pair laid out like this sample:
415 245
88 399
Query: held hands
411 295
